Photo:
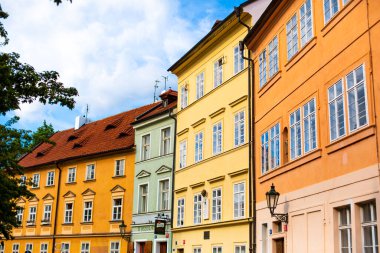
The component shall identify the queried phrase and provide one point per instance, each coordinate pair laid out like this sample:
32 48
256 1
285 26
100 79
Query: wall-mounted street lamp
123 231
272 200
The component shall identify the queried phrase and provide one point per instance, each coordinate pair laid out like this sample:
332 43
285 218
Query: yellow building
83 188
211 211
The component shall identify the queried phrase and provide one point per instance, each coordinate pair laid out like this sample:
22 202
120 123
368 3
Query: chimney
79 121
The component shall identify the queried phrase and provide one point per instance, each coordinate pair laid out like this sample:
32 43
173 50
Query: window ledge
270 83
87 223
49 186
46 224
352 138
35 188
67 224
301 53
115 221
70 183
121 176
291 165
89 180
339 16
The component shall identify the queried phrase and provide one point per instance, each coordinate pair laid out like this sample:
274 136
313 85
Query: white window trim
185 154
200 203
245 201
184 96
221 204
158 206
244 133
200 92
89 179
112 208
184 211
47 244
72 213
68 243
142 147
119 247
332 15
170 141
68 175
47 178
216 152
312 23
35 186
85 242
217 84
344 111
139 198
50 213
84 209
123 162
195 143
240 56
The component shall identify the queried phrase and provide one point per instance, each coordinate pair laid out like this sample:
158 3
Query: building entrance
279 245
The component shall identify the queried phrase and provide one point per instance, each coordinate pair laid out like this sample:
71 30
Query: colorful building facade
152 197
315 95
83 186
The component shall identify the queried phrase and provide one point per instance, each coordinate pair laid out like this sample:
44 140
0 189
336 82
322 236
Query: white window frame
20 214
334 101
273 58
85 249
22 180
197 250
236 199
50 178
197 208
239 128
372 224
295 126
44 247
119 167
88 211
269 139
15 248
180 212
306 18
46 217
292 36
145 146
200 80
218 72
217 249
330 8
115 247
216 209
263 67
117 210
239 248
29 246
143 198
161 195
198 146
65 247
182 154
71 175
217 138
36 180
165 146
238 60
184 96
2 248
90 171
345 227
68 213
32 214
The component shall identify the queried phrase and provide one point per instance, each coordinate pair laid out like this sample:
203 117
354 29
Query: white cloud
111 51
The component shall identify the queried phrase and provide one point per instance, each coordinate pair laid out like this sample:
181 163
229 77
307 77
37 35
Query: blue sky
111 51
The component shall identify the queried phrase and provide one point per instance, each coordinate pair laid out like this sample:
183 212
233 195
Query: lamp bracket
283 217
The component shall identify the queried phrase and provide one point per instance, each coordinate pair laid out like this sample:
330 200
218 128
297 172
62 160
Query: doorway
279 245
163 247
140 247
180 250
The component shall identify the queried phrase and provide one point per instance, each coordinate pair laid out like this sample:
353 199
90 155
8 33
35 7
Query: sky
112 51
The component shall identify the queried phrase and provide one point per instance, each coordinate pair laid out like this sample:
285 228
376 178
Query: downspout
251 128
56 207
173 172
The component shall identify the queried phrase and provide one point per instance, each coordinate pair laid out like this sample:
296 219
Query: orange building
83 189
317 66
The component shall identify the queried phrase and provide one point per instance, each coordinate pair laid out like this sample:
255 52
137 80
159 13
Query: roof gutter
173 173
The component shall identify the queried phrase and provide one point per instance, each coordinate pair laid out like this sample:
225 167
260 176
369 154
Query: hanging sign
159 227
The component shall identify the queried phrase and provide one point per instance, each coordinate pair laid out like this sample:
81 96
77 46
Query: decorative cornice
216 179
238 172
183 131
143 173
163 169
69 194
238 101
88 192
199 122
118 188
197 184
48 197
217 112
183 189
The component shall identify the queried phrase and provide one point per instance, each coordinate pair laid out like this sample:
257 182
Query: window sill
121 176
86 223
46 224
34 188
339 16
70 183
301 53
270 83
67 224
31 225
115 221
89 180
291 165
49 186
352 138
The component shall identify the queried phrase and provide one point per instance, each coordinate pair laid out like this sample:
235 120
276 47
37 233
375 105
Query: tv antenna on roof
155 89
165 79
86 112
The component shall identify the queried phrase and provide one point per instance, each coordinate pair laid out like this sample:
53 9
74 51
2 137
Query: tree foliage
21 83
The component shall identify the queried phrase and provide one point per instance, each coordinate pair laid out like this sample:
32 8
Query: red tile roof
106 135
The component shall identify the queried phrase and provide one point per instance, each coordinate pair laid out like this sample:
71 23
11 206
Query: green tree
42 134
21 83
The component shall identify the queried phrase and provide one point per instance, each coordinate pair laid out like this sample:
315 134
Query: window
217 138
344 227
197 250
65 247
68 213
44 248
15 248
273 57
357 104
295 134
369 227
22 180
119 167
29 247
145 147
238 60
218 72
32 215
90 172
36 180
19 215
309 126
115 247
116 209
197 208
164 195
306 22
87 211
184 96
263 68
85 247
292 36
217 249
47 214
239 248
270 149
217 204
182 153
239 131
71 175
165 141
50 178
239 200
180 211
330 8
1 248
143 199
200 85
199 147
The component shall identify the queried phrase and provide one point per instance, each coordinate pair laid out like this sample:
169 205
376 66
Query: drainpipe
251 141
173 172
56 206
